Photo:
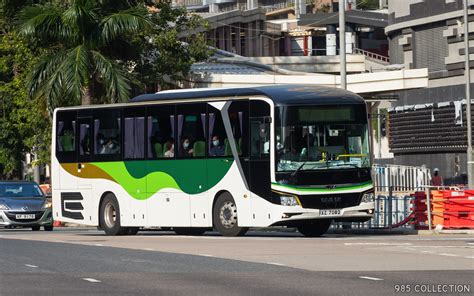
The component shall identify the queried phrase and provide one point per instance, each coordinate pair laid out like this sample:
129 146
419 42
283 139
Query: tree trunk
86 95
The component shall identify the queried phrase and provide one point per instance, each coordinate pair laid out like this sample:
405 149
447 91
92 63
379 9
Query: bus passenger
217 148
169 146
110 147
185 149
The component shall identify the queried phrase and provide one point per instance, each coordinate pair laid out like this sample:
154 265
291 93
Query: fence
394 186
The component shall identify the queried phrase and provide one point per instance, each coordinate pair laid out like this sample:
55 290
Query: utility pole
342 41
467 75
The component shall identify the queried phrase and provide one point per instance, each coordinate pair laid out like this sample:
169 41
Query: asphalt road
71 262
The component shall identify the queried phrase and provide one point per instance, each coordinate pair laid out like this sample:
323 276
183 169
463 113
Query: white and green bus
228 159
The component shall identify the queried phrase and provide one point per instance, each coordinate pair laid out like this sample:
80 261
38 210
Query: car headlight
288 200
47 205
3 207
368 197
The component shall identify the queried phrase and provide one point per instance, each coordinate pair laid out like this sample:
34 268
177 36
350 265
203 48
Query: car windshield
20 190
321 138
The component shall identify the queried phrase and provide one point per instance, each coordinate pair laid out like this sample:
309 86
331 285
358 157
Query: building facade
428 126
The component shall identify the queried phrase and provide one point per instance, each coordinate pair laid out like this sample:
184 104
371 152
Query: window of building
161 125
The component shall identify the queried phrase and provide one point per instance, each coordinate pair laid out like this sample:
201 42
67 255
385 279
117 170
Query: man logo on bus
331 199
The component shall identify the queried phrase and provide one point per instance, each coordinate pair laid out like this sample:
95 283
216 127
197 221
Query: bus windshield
321 138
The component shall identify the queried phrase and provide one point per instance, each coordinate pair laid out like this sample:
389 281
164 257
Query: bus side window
66 136
259 129
218 143
134 133
161 125
107 140
239 121
191 130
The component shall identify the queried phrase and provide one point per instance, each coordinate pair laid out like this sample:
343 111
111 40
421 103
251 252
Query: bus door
84 151
259 156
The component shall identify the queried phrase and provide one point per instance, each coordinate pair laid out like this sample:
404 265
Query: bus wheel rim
110 215
228 214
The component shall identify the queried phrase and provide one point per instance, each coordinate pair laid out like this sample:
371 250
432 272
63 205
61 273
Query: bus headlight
288 200
368 197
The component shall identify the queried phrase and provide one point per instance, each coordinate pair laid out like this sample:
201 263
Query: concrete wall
314 64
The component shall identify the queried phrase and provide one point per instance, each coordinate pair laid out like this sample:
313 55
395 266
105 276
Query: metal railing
394 186
371 55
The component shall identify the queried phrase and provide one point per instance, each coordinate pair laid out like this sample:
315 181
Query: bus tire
189 230
110 216
314 228
48 228
225 216
132 230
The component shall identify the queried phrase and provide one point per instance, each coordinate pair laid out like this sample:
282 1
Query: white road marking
370 278
428 252
275 263
469 257
99 245
30 265
148 249
447 254
377 244
91 280
462 247
206 255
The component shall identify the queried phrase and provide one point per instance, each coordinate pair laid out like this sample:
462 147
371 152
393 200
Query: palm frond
77 71
80 19
42 21
46 68
114 78
133 20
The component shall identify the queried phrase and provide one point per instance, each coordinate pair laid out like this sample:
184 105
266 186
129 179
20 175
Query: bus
224 159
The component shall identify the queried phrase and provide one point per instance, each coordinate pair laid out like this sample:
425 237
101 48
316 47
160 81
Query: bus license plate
25 216
332 212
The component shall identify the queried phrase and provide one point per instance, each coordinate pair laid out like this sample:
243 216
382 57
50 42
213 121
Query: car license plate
25 216
331 212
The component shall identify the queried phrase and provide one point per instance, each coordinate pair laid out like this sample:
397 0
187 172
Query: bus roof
286 94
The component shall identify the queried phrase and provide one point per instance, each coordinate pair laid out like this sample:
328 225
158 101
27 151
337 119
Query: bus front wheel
225 216
110 216
314 228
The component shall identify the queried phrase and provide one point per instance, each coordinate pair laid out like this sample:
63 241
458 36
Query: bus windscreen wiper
295 173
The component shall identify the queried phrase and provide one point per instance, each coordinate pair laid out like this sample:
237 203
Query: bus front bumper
362 212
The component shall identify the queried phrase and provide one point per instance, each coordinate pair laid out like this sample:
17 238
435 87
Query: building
290 27
428 126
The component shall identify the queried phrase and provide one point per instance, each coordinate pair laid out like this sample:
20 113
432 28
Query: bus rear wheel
189 230
314 228
110 216
225 216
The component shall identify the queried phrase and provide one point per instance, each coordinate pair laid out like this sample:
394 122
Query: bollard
428 206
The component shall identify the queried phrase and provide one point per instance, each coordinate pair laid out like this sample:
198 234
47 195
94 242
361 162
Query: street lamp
342 42
467 75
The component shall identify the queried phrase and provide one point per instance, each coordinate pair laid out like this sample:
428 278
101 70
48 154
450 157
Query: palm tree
84 60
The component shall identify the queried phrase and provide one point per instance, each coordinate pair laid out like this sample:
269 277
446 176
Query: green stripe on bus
142 179
305 189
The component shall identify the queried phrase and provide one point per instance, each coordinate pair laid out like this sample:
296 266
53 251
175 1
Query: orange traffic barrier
437 207
420 211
